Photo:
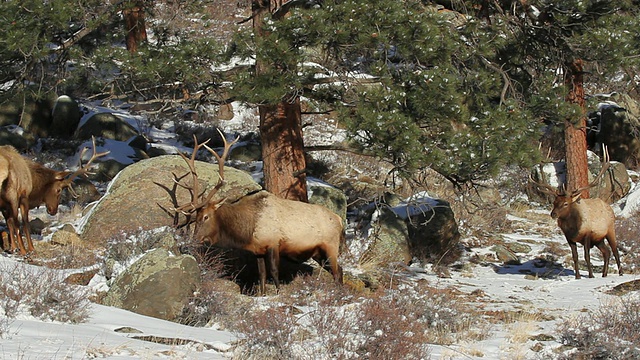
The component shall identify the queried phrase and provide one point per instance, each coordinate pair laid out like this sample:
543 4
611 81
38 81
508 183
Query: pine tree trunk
282 150
135 26
281 134
575 136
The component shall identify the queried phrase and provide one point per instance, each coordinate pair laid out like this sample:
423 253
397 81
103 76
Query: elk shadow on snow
539 267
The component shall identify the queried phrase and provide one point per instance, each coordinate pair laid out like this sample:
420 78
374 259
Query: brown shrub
611 331
627 231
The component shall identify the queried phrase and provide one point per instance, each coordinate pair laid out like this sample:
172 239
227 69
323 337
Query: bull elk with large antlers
263 224
26 184
585 221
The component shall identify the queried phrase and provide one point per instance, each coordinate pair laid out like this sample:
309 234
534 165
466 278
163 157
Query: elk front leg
587 254
24 209
262 271
15 237
273 255
574 255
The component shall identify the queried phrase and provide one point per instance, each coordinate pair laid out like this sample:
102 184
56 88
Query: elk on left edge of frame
24 185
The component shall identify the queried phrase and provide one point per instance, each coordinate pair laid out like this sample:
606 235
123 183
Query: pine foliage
462 87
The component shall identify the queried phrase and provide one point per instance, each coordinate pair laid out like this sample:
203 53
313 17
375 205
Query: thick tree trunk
280 133
282 150
575 135
135 26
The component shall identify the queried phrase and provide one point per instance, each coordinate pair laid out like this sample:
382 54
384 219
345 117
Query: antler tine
221 160
194 189
605 166
545 188
84 169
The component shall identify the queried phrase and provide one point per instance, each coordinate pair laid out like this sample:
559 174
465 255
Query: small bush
128 246
210 302
125 249
610 332
267 334
318 319
42 293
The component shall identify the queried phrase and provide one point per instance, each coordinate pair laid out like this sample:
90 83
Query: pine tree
76 48
280 120
432 99
552 50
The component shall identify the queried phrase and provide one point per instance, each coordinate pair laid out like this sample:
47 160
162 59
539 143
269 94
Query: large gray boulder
33 115
159 284
422 228
328 196
388 240
106 125
142 195
617 124
65 117
433 232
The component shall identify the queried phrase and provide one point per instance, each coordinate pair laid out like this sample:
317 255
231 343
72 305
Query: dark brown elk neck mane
42 177
571 223
237 220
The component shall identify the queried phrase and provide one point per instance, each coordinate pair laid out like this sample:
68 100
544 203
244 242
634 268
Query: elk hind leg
328 259
606 254
611 239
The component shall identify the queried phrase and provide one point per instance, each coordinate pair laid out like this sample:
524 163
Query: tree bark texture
280 132
135 26
575 134
282 150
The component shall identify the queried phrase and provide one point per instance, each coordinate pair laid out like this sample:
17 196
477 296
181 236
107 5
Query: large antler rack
198 201
84 169
603 170
548 189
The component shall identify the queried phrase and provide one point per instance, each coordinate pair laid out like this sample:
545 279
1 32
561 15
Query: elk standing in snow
25 185
265 225
585 221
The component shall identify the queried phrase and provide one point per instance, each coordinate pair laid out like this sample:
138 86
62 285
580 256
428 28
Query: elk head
563 198
65 179
206 228
48 184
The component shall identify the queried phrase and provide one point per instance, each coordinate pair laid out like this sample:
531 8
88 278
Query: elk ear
575 197
217 204
62 175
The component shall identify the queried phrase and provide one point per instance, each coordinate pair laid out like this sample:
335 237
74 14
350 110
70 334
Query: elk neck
237 221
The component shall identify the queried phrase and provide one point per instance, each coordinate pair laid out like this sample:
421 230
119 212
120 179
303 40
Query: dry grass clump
66 251
317 319
42 293
611 331
217 300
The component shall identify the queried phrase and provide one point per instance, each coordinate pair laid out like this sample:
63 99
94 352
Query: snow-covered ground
111 333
